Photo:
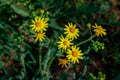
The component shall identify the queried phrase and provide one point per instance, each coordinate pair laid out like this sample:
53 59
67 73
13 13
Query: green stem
69 66
51 60
40 59
23 61
89 39
48 67
90 31
47 38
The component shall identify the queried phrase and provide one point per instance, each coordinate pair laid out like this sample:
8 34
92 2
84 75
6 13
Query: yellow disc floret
74 54
40 37
99 31
64 43
63 62
71 31
39 24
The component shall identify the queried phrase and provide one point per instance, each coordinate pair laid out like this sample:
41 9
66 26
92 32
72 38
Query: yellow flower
99 31
39 24
40 37
71 31
74 54
102 78
64 43
63 62
42 11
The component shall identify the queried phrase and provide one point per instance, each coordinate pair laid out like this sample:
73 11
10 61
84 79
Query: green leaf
19 10
1 65
5 2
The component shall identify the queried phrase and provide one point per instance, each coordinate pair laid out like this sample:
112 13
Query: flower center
38 24
64 61
65 42
72 30
40 35
75 54
99 29
101 78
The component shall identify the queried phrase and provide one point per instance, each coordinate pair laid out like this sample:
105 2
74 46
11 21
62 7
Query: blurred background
18 50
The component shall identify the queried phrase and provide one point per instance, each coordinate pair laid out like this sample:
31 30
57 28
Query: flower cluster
73 53
97 45
39 26
99 31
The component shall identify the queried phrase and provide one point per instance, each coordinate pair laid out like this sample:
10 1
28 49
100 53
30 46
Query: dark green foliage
19 52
